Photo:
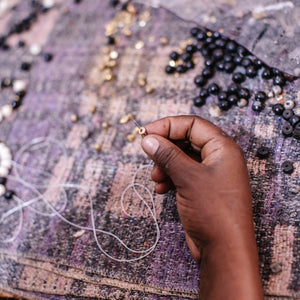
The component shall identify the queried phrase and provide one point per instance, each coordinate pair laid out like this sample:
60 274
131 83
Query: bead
216 34
15 104
105 125
257 63
241 51
213 89
6 82
227 58
6 110
201 36
111 40
238 77
181 69
207 73
186 56
231 46
287 113
289 104
218 54
233 99
6 163
294 120
98 147
142 131
263 152
21 43
296 132
48 3
279 80
246 62
297 111
287 167
232 89
203 94
74 118
237 60
220 43
47 57
242 102
222 96
19 86
287 130
2 180
174 55
190 64
257 106
251 71
130 138
277 89
215 111
3 172
199 80
169 69
276 267
209 63
209 40
198 101
224 105
229 67
149 89
266 74
220 66
2 190
205 52
278 109
260 96
244 93
194 31
35 49
191 48
8 194
276 72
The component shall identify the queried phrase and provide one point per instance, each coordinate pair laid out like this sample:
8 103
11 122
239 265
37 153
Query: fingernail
150 145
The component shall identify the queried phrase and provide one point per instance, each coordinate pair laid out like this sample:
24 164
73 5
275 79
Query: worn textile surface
46 258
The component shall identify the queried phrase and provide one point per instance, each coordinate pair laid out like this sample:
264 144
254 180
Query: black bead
241 51
169 69
2 40
198 101
201 36
15 104
267 74
287 113
232 89
238 77
278 109
231 46
211 47
199 80
287 167
229 67
209 40
124 6
34 3
47 57
224 105
287 130
5 47
257 106
213 89
296 132
174 55
294 120
257 63
194 31
205 52
218 54
246 62
21 43
237 60
276 72
191 48
222 96
2 180
244 93
263 152
260 96
25 66
209 63
186 56
203 94
251 71
190 64
220 43
279 80
77 1
220 66
216 34
232 99
181 69
227 58
208 73
111 40
8 194
6 82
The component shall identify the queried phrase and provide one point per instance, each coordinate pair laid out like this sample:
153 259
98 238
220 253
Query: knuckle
168 157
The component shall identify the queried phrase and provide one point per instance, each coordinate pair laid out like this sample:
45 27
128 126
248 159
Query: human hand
213 197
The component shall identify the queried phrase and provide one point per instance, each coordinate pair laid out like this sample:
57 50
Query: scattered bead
287 113
207 73
213 89
224 105
199 101
260 96
174 55
233 99
169 69
251 71
199 80
149 89
279 80
2 190
98 147
142 131
244 93
25 66
35 49
222 96
296 132
2 180
229 67
181 69
164 41
277 89
238 77
287 130
267 74
263 152
242 102
47 57
287 167
278 109
294 120
130 137
74 118
105 125
113 54
6 110
8 194
289 104
215 111
21 43
257 106
19 86
276 267
139 45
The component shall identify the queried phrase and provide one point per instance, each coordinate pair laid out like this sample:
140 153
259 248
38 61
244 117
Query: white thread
41 197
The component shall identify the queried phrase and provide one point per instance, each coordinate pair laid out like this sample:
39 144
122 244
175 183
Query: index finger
192 128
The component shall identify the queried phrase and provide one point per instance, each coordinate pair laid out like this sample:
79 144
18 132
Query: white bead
3 172
6 110
215 111
277 89
2 190
5 163
48 3
242 102
289 104
19 86
271 94
3 5
297 111
35 49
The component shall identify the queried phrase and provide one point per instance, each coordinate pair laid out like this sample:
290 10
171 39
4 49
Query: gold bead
209 33
98 147
141 82
93 109
142 131
127 32
74 118
130 116
149 89
105 125
124 120
136 130
164 41
131 9
130 137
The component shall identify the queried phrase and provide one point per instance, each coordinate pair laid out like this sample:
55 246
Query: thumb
169 157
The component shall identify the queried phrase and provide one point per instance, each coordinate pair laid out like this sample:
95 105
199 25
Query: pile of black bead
225 55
